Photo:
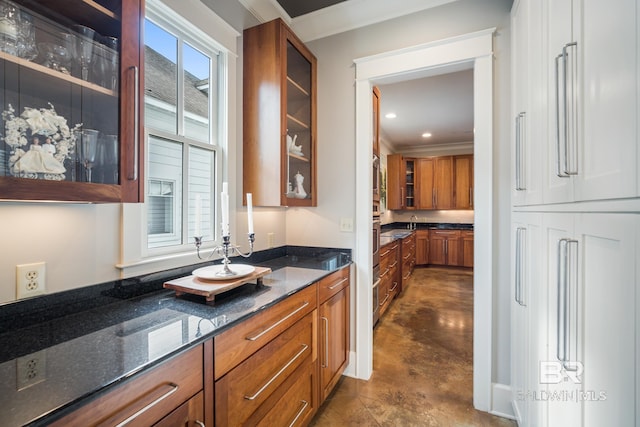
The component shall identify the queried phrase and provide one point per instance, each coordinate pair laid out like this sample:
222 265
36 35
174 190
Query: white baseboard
501 401
350 370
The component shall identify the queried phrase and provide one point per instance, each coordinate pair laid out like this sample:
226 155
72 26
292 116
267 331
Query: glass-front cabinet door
299 129
70 100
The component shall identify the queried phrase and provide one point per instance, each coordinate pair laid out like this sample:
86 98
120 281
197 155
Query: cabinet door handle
172 389
520 140
570 110
395 285
338 284
300 412
563 326
519 279
132 174
470 197
277 374
559 133
293 313
199 423
325 362
401 196
435 195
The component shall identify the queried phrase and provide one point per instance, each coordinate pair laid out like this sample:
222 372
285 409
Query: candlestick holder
225 250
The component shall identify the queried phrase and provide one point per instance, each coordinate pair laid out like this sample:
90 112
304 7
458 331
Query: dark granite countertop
83 353
398 230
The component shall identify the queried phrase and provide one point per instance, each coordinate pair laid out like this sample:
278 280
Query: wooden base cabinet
408 253
422 247
333 329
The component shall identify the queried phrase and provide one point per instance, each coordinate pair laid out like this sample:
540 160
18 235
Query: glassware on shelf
88 150
113 62
69 41
109 150
9 27
55 56
27 37
85 43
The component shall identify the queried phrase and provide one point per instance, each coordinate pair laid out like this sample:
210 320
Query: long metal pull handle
571 297
435 195
517 158
395 285
560 133
385 273
325 362
376 283
519 279
293 313
173 389
401 196
277 374
470 197
433 199
520 152
394 264
570 110
384 254
563 327
338 284
386 297
132 174
300 412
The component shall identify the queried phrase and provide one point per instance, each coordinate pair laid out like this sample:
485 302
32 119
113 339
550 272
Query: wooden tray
210 288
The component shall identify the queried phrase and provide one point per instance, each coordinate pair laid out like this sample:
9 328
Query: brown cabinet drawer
295 407
144 399
246 387
190 413
445 233
236 344
333 283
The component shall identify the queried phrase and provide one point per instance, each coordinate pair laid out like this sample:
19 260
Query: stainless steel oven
376 298
376 241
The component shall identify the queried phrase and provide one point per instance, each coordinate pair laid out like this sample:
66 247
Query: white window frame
185 33
136 258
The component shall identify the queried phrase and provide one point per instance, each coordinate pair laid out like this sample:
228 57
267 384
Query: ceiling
295 8
441 105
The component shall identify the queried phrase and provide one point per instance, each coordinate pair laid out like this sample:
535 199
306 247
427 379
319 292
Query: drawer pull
325 362
394 264
385 253
395 286
385 299
273 378
385 273
300 412
293 313
338 284
174 388
407 276
406 257
199 423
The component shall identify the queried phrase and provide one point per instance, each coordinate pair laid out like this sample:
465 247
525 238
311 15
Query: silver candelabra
225 250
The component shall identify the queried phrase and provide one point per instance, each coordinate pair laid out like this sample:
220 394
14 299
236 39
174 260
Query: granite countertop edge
136 317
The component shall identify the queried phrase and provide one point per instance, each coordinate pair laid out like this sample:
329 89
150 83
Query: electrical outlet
346 224
271 240
31 369
30 280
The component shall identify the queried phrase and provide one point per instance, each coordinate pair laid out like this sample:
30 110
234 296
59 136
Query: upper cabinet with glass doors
70 99
279 117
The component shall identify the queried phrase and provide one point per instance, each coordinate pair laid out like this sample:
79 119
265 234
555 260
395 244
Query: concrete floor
422 361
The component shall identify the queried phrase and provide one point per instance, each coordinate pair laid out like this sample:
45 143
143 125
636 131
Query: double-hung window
182 110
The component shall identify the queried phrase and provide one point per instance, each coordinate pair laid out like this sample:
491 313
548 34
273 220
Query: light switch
346 224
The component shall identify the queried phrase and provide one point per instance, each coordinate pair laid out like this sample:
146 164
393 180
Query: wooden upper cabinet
443 182
279 109
463 167
83 140
424 174
396 180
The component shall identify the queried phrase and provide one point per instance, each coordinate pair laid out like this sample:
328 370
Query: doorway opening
474 50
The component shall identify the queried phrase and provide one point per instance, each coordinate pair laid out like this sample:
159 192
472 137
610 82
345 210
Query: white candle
198 216
224 205
250 212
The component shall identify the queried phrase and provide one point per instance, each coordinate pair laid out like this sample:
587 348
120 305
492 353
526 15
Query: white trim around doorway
476 51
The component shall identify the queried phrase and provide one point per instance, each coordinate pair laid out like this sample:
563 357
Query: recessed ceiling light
391 115
426 135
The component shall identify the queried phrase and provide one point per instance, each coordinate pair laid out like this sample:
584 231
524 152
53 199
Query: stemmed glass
85 48
70 43
88 150
110 156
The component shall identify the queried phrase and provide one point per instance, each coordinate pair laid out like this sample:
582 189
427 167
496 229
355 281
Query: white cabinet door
528 321
528 114
607 72
592 71
591 367
606 296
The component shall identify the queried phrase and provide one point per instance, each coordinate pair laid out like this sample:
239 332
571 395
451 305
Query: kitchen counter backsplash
97 336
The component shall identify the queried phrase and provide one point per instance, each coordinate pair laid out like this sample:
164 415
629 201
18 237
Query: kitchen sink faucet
412 222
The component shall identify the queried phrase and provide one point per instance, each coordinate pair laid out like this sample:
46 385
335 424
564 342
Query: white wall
336 131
